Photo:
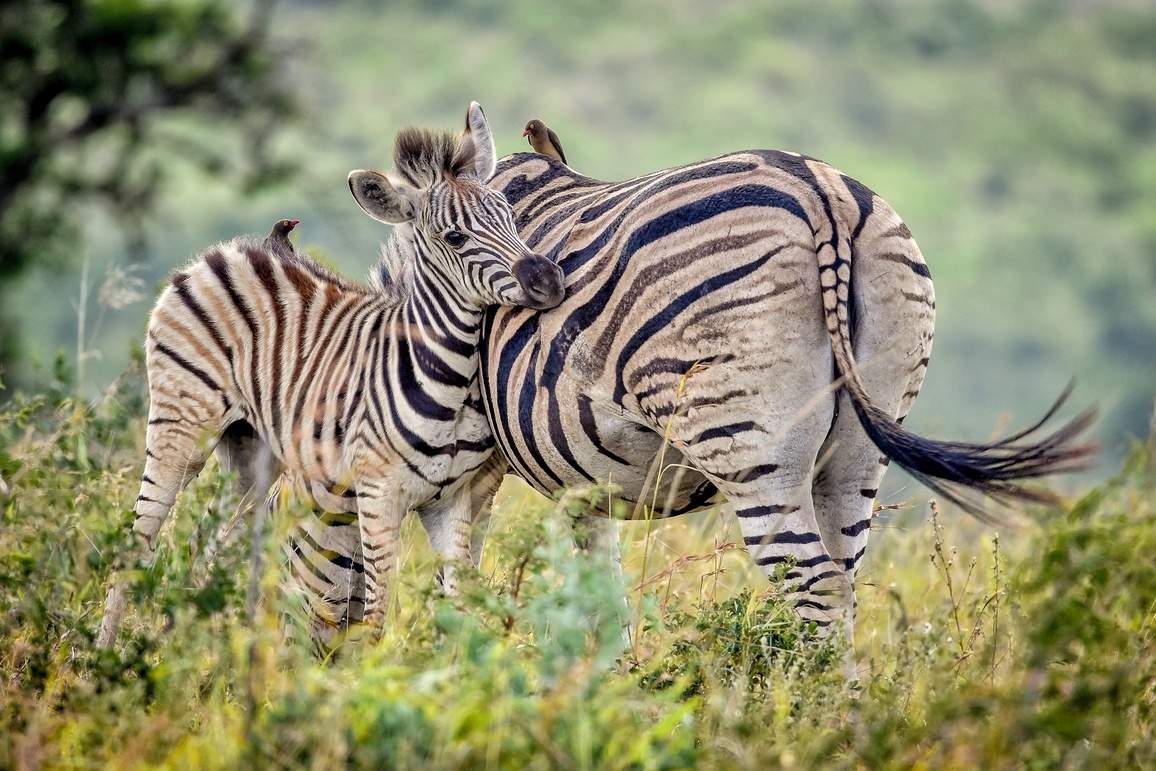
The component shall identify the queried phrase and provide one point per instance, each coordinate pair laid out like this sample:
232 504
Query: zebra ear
478 129
382 199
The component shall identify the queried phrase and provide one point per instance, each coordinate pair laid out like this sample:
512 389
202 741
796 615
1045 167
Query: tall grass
1030 649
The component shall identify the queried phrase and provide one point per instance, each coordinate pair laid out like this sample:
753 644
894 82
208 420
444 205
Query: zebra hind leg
323 551
779 528
176 450
379 519
326 571
844 490
244 455
764 472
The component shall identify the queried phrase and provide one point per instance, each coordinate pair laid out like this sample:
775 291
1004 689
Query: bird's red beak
294 223
526 133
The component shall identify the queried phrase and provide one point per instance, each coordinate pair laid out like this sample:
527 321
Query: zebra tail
955 470
952 469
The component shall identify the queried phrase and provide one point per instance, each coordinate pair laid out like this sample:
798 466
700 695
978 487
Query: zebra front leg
484 487
447 522
600 537
443 522
379 521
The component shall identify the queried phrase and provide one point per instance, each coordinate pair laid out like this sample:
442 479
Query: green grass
1030 649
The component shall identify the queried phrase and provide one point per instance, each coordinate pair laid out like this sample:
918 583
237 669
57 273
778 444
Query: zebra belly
602 444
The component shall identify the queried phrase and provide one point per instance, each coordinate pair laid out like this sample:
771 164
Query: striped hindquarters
676 272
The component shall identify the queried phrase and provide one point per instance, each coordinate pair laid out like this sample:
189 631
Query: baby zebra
363 395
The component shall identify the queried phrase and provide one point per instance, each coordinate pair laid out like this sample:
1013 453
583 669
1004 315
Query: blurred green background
1017 139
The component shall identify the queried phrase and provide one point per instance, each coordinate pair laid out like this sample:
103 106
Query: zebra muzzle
542 282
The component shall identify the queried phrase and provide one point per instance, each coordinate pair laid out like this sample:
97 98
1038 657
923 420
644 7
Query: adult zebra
368 398
760 322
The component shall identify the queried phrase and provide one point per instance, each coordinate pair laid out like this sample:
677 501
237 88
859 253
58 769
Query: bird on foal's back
543 139
278 238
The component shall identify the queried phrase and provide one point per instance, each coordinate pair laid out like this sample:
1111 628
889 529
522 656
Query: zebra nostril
543 298
541 280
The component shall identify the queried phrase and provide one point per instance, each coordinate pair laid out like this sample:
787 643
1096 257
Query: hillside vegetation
1026 648
1018 140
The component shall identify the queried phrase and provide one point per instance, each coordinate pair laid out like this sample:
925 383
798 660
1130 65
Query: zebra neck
441 314
439 342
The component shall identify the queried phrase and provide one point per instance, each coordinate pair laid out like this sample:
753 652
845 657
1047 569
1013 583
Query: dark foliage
87 90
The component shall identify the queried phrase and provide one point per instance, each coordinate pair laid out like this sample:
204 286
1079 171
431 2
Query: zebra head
457 229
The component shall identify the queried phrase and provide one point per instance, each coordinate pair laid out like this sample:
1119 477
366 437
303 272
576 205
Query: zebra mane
421 157
424 157
392 277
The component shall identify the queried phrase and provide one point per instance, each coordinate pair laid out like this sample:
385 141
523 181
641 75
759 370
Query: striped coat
750 329
368 397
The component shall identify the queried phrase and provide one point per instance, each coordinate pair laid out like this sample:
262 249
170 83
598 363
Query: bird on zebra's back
278 238
366 398
543 139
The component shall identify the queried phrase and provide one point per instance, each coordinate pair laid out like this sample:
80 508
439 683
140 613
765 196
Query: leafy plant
1036 651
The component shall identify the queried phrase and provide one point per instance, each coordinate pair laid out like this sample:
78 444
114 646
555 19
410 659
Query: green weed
1031 648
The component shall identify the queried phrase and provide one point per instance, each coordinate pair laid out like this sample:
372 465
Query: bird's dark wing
557 143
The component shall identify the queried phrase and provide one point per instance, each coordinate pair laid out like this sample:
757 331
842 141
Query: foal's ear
478 129
383 200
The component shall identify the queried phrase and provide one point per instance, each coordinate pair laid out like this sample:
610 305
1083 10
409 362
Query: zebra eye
455 238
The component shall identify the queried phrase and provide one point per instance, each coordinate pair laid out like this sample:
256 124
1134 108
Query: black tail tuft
952 469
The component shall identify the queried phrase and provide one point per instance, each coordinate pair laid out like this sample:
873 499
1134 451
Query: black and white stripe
763 323
367 397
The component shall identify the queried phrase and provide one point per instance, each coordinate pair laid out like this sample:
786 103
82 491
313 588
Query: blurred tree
98 97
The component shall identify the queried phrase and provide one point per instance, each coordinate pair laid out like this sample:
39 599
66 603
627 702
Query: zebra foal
363 396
